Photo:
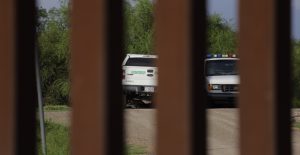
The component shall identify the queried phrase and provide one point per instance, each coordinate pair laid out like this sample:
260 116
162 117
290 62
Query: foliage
296 73
53 44
221 36
139 28
139 31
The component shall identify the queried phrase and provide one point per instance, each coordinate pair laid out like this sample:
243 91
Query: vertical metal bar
40 102
173 98
198 96
283 77
88 77
26 93
114 59
258 90
7 51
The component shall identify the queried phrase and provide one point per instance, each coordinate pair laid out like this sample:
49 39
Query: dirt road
140 128
222 129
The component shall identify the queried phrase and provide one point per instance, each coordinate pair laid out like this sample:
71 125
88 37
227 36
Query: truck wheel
128 102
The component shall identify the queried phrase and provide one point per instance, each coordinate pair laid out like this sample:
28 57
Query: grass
57 140
297 125
135 150
56 108
57 137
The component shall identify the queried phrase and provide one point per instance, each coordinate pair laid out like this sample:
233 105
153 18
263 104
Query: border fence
96 94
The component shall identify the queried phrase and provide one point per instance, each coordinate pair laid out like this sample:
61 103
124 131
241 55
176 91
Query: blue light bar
221 56
209 56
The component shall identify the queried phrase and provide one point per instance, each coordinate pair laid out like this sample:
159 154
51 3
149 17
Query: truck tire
128 102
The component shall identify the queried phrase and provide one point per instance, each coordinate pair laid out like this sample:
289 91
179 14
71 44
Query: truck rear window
148 62
221 67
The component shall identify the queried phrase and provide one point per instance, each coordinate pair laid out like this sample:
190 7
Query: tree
53 44
139 27
221 36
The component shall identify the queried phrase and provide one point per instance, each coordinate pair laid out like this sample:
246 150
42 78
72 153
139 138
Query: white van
222 78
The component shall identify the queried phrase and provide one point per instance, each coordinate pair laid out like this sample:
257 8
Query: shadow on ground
222 104
211 105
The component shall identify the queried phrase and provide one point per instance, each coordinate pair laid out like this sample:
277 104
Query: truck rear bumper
142 90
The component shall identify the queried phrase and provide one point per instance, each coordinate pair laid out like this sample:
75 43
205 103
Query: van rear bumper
222 96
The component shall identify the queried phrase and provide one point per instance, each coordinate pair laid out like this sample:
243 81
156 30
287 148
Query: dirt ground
139 129
222 129
61 117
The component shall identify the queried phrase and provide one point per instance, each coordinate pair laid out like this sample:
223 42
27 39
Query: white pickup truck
139 78
222 78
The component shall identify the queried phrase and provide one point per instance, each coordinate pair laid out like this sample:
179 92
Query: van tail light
209 87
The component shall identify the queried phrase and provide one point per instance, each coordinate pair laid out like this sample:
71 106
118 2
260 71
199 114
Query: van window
221 67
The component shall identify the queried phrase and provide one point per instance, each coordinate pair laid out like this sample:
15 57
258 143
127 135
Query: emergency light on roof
221 56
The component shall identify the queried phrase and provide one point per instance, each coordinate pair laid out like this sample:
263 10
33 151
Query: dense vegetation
296 73
139 27
53 44
53 41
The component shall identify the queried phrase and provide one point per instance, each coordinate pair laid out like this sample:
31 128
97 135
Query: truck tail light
123 76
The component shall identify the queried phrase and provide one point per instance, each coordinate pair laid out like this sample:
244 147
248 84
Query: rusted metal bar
265 98
283 77
88 69
7 51
198 96
173 45
26 92
258 83
97 35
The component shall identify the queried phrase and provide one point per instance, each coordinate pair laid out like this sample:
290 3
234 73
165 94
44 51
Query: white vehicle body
139 75
224 84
